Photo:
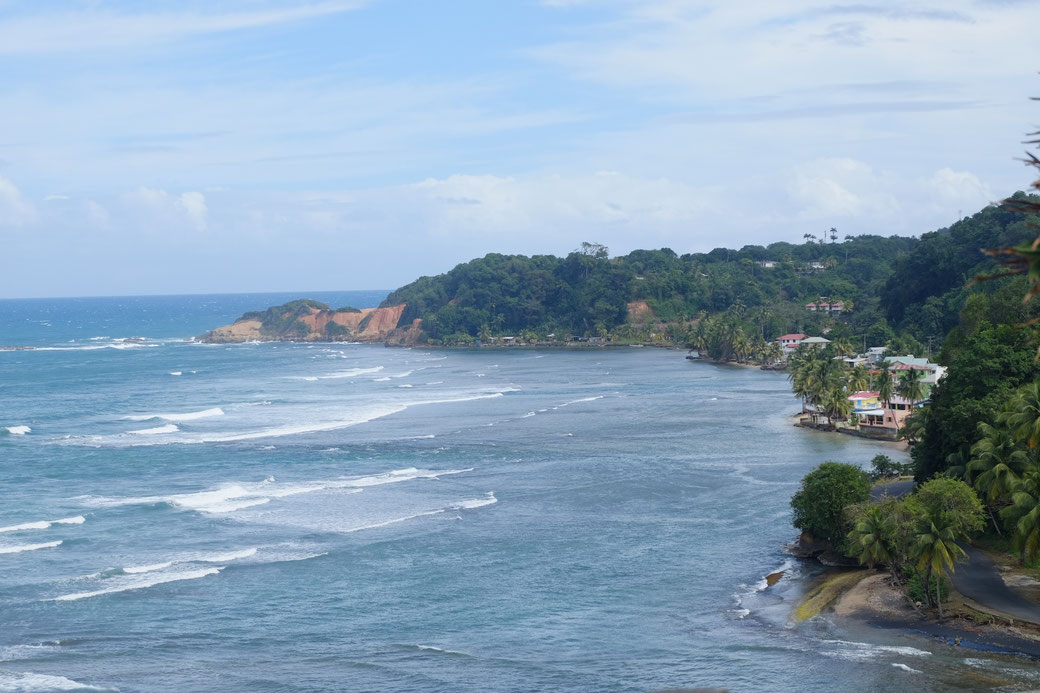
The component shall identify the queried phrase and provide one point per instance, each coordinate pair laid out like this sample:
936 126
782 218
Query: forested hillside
895 290
587 293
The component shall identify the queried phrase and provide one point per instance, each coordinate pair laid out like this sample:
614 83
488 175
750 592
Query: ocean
338 517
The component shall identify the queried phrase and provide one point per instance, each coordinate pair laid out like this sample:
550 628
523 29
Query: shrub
825 493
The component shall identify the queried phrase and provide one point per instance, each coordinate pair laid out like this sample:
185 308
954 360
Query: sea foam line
44 524
18 430
18 548
140 583
188 416
238 496
29 682
158 430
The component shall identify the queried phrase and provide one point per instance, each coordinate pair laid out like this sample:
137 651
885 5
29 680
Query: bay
272 517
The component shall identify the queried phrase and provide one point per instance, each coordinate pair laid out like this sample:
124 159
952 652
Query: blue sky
262 145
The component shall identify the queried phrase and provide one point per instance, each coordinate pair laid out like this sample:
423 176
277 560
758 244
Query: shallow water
298 517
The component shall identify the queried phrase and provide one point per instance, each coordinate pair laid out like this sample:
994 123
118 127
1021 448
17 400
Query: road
897 489
979 579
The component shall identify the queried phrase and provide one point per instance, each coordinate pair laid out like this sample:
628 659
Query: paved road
897 489
979 579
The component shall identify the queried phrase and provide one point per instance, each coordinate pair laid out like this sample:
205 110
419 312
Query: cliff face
310 321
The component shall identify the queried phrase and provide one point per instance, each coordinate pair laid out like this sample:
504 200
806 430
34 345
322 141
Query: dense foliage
987 367
284 320
930 284
764 288
825 492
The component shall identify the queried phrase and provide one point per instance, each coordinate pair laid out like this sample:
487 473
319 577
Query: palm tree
1025 513
774 352
936 550
914 426
1024 415
837 404
996 463
873 538
859 379
884 385
910 387
842 347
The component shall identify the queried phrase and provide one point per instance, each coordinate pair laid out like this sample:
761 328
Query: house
768 264
814 342
790 342
823 306
875 354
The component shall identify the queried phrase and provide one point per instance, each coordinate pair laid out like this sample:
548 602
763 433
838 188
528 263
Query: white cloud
68 32
97 215
14 209
194 206
174 211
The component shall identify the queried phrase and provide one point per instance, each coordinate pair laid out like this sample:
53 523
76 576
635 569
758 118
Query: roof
864 395
900 366
792 336
815 340
911 360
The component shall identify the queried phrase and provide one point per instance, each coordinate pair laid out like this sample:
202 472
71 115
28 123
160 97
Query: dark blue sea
311 517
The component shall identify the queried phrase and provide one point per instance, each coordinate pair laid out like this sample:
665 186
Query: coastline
865 597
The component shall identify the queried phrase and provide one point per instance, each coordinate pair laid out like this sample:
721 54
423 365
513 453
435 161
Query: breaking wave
44 524
188 416
18 548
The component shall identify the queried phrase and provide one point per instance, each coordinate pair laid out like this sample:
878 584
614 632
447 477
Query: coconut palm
910 387
859 378
836 404
1024 414
1024 511
842 347
997 462
873 538
936 549
885 387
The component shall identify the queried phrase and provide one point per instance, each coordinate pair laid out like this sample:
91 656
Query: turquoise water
293 517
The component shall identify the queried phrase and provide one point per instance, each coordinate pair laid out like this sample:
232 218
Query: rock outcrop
311 321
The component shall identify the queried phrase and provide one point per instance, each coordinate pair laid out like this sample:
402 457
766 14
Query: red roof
900 366
792 337
864 395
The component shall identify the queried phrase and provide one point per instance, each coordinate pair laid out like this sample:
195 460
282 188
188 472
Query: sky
202 146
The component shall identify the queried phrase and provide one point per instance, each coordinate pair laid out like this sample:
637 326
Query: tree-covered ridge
285 320
929 285
587 293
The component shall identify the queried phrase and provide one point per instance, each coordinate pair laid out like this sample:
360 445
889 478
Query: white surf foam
349 373
176 373
18 430
394 521
188 416
381 380
310 426
431 648
135 569
238 496
905 668
476 502
583 399
405 385
140 582
158 430
44 524
860 651
225 557
18 548
28 682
